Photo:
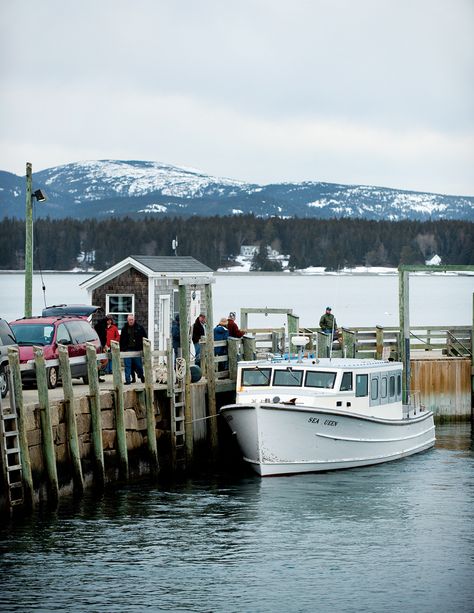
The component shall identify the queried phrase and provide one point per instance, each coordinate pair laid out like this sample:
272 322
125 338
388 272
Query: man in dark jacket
198 331
131 339
327 323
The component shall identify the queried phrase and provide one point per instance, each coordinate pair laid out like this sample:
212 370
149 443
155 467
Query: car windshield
33 334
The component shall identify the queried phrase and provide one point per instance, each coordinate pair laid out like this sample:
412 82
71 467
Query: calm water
392 537
357 300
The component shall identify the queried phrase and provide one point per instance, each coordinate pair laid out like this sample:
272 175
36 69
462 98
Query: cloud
261 90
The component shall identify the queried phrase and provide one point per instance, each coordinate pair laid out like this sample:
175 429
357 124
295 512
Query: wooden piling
211 374
150 408
293 329
71 425
96 417
378 342
348 343
233 348
17 394
324 341
119 411
249 345
46 427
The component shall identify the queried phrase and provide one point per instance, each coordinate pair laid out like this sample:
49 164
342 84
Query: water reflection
240 543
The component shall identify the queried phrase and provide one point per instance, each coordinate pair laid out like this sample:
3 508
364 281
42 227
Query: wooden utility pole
29 242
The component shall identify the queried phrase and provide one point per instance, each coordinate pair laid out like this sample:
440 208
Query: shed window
120 305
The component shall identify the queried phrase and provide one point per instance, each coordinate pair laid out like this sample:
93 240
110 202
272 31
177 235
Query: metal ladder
177 411
10 451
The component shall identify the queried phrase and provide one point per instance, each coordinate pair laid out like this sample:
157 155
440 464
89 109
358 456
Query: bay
356 299
391 537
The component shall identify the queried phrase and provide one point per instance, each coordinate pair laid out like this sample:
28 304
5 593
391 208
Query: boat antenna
332 338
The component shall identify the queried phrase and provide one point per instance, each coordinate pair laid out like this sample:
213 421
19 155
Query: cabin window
383 387
392 386
362 385
346 383
120 305
318 378
288 377
399 385
374 389
252 377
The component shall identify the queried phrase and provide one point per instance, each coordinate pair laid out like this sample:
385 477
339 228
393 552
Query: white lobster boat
311 415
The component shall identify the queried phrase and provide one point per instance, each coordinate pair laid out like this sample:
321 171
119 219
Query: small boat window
362 385
374 389
288 377
383 387
318 378
256 376
399 385
392 386
346 383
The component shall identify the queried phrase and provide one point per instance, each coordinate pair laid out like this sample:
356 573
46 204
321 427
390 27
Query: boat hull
280 440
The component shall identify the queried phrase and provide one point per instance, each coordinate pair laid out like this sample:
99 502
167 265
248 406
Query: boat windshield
256 376
320 378
33 334
288 378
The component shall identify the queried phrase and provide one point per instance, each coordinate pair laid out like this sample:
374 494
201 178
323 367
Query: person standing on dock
221 333
199 330
131 339
327 323
112 334
233 328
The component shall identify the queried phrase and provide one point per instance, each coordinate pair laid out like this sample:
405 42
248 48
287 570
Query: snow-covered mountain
103 188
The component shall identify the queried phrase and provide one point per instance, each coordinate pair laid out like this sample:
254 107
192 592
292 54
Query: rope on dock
201 419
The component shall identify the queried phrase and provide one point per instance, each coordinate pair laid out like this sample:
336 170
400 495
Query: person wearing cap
221 333
233 328
327 323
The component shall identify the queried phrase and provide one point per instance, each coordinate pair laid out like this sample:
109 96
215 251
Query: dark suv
7 338
48 332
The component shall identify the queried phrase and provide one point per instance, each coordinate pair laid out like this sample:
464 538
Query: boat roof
317 363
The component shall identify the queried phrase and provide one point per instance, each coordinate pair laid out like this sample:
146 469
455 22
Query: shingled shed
149 288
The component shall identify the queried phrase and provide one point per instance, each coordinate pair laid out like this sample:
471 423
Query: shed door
164 322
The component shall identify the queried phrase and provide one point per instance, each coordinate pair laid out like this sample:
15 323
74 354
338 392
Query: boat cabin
365 387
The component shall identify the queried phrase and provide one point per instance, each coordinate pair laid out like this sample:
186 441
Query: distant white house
434 261
248 251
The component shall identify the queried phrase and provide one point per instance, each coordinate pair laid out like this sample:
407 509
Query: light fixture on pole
40 196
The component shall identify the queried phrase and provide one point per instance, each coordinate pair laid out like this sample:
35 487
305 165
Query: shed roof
162 263
183 267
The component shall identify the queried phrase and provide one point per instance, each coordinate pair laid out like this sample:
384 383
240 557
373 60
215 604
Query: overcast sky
377 92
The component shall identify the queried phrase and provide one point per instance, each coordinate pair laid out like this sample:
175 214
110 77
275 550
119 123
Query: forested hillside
332 243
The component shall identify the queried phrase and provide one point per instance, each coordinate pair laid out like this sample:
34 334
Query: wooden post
472 367
211 375
348 343
324 341
72 439
293 328
119 411
233 345
275 339
16 391
378 342
46 426
150 409
96 417
404 313
249 348
244 319
29 241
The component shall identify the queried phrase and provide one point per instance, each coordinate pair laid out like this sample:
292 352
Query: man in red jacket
233 328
